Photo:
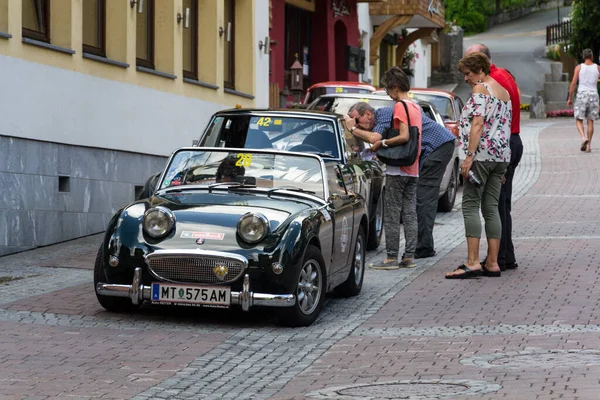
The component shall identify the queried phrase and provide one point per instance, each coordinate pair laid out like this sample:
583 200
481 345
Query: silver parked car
341 102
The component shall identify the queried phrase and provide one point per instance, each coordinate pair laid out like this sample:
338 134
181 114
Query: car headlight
158 221
253 228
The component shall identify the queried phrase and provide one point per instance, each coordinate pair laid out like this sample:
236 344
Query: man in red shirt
506 255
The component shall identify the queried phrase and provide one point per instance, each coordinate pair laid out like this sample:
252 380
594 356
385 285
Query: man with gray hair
506 255
437 147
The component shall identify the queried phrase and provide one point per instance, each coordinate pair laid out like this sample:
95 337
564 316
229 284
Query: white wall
365 28
51 104
261 30
422 64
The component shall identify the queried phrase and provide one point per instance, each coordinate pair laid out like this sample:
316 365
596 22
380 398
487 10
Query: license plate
191 295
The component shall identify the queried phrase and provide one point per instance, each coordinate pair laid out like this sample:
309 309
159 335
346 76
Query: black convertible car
313 132
240 227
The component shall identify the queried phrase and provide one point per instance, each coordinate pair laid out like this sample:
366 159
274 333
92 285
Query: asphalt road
520 47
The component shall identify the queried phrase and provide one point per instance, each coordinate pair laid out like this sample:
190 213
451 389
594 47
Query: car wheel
310 291
115 304
376 225
149 187
353 284
446 202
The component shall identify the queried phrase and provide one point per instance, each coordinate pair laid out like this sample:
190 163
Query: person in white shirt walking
586 103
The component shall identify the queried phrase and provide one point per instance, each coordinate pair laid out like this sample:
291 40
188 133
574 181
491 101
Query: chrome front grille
195 266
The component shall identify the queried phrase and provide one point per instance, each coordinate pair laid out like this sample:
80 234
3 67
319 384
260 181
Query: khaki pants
485 198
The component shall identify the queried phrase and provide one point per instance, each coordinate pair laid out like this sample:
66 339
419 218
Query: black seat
256 139
323 140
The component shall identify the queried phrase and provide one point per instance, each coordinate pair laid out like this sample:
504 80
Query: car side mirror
337 201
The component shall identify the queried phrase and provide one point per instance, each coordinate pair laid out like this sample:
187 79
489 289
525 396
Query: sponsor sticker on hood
202 235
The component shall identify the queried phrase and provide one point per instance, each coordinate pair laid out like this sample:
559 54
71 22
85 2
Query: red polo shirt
507 82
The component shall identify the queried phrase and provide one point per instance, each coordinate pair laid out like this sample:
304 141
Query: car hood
213 218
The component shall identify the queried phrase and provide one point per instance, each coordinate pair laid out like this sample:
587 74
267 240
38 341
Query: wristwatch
383 144
470 153
353 129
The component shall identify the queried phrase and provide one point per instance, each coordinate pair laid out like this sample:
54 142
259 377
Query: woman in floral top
484 141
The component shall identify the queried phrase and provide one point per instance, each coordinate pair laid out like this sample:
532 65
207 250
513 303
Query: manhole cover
411 390
537 359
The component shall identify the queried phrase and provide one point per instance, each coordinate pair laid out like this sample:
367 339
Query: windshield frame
199 149
332 118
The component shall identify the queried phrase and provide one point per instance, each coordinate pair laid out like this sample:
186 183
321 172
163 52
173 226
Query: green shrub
472 22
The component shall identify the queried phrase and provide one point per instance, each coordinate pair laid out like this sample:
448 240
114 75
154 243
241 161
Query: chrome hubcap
309 287
359 262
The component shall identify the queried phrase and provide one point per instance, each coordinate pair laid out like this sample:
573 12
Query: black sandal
468 274
487 272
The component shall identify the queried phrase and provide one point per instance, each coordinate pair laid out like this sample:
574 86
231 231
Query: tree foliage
471 15
585 15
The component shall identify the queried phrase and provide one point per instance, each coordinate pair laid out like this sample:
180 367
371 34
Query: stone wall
450 47
514 14
56 192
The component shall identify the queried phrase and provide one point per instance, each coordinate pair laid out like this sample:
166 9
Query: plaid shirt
433 135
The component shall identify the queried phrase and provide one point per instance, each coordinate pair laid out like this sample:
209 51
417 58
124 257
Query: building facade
97 93
322 35
393 31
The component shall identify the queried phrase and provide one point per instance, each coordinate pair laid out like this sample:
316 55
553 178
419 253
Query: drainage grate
410 390
535 359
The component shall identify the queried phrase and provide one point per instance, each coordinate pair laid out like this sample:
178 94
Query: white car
341 102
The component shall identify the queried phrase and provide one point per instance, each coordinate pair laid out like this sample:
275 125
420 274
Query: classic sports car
341 103
239 227
321 133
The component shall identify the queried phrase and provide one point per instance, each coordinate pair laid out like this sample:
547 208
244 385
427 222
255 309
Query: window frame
150 32
229 78
101 21
194 20
37 35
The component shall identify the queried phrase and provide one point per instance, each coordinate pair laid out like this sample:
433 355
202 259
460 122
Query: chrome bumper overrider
137 292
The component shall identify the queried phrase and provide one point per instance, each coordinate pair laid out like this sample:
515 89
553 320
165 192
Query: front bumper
137 292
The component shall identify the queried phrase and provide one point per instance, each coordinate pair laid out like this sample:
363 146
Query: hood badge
200 241
220 271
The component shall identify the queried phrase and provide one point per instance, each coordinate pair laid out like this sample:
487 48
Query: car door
341 204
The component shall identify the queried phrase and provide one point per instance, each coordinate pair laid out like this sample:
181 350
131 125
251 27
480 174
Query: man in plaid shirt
437 147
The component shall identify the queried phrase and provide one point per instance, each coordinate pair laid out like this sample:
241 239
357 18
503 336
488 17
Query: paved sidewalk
532 333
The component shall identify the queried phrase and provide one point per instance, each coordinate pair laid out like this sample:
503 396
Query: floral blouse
495 137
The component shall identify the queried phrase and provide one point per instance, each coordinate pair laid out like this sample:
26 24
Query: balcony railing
559 32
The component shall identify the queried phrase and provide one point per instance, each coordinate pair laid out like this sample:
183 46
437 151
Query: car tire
446 202
376 225
353 285
114 304
310 291
149 186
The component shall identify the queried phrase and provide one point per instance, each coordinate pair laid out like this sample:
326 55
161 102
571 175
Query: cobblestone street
533 333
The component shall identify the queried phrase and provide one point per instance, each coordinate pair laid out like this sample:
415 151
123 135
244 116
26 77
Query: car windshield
341 105
210 168
442 103
301 134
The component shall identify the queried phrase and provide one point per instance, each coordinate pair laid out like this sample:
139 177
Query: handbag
402 155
